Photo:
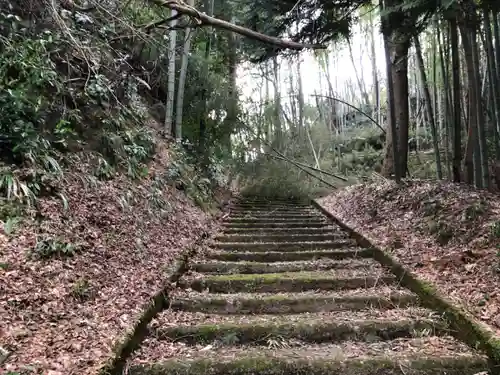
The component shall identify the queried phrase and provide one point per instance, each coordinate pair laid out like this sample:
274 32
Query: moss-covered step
307 329
270 204
283 224
417 356
289 256
269 219
279 211
219 268
289 282
264 207
282 231
384 298
257 237
277 216
282 246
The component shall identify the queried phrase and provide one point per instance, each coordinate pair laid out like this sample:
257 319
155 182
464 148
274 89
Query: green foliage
126 149
185 174
47 247
495 229
13 188
82 290
29 131
10 225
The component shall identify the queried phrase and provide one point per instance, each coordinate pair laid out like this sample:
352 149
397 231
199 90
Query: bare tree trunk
445 97
203 142
428 105
493 77
300 100
169 105
391 149
457 125
483 149
376 85
472 115
277 102
232 103
182 80
362 90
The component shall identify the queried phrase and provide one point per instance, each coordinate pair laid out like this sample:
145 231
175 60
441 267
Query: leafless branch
183 8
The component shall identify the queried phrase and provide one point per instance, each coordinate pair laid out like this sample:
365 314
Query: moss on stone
463 327
285 237
285 282
281 246
290 256
279 366
286 303
307 331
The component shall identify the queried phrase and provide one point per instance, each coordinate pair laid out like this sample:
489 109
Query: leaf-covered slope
446 233
76 278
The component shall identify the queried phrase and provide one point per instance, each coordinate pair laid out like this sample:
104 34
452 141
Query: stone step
282 246
276 215
278 210
224 268
269 219
264 205
416 356
310 328
382 298
282 224
257 237
283 231
274 218
289 256
289 281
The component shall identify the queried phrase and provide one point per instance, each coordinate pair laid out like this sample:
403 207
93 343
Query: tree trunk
428 106
300 100
493 77
376 86
203 142
398 46
472 112
457 125
232 103
277 103
362 90
483 149
391 163
169 105
182 80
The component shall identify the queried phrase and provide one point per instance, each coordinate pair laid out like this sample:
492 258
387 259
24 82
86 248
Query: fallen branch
353 107
305 170
147 27
314 169
183 8
282 156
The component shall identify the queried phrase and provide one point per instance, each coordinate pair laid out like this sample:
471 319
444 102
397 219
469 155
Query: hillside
76 279
96 203
445 233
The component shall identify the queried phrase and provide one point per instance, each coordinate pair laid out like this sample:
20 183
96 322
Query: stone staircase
284 291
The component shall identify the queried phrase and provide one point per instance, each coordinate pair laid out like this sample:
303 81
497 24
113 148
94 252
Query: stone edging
159 302
463 327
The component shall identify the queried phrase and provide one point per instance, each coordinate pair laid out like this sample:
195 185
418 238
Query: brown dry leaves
440 231
122 261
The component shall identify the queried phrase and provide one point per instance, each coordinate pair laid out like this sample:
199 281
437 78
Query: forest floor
448 234
75 280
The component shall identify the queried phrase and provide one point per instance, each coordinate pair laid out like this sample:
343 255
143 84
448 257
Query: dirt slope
446 233
64 315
